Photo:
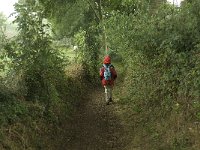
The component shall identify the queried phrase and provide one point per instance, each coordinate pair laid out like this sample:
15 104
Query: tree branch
94 10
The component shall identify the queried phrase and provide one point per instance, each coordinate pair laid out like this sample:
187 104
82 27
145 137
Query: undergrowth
28 125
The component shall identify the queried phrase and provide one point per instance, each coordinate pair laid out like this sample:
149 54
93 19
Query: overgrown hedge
37 94
161 53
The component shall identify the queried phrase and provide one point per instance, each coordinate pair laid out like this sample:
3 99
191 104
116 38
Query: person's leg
106 94
110 93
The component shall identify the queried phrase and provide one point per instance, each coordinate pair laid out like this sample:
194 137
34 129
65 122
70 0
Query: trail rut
95 126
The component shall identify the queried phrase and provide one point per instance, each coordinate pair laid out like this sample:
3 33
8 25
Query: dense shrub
162 65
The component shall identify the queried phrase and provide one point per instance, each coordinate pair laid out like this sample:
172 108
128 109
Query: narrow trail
96 126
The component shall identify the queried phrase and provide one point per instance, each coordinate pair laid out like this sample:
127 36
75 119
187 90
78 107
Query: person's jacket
113 76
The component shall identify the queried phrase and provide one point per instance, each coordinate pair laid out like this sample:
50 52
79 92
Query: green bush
160 52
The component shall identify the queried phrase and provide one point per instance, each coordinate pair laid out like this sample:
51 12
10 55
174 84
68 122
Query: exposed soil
96 126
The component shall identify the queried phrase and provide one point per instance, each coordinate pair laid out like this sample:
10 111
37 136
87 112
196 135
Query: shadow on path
95 126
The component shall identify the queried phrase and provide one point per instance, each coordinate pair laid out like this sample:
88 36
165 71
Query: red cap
107 60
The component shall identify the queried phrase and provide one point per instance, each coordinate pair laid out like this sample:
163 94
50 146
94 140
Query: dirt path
95 126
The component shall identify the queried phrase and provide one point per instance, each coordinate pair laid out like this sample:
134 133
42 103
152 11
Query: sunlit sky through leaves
175 2
6 6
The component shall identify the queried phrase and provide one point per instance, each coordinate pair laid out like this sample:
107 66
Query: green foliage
78 18
11 110
79 40
37 94
2 40
2 23
68 19
158 46
162 65
165 49
33 54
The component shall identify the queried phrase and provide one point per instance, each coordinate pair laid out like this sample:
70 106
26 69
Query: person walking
108 75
